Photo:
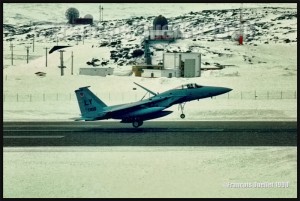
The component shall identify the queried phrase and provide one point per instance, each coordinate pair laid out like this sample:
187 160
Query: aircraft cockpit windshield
189 86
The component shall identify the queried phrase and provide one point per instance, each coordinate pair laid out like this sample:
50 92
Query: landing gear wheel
137 124
181 107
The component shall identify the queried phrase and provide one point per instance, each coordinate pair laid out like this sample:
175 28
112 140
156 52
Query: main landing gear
181 106
137 124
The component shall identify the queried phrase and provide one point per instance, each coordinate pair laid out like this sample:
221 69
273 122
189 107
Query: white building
177 65
153 73
185 64
96 71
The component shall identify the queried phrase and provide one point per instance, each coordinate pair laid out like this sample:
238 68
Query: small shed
138 70
96 71
153 73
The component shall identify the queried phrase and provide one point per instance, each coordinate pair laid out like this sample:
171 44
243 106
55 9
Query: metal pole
46 55
61 63
102 13
10 44
12 54
33 44
27 52
72 63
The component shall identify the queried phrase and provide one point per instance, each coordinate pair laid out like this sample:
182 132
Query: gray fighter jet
92 108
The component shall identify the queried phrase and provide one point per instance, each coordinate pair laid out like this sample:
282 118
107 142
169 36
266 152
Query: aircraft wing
132 106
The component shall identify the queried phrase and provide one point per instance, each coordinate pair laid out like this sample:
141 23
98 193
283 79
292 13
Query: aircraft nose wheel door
181 106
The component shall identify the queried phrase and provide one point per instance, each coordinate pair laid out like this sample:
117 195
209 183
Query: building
174 65
185 64
96 71
153 73
138 70
83 21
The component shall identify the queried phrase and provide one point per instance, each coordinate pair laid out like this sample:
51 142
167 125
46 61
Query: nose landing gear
181 106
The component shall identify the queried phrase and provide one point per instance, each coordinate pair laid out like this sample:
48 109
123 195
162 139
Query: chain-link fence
134 96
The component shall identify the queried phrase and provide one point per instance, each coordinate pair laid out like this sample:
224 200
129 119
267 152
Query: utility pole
33 43
83 38
61 63
241 26
77 40
46 55
27 48
65 34
10 44
56 40
72 63
12 53
102 13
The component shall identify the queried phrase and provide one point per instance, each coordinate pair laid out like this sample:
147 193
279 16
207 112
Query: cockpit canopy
189 86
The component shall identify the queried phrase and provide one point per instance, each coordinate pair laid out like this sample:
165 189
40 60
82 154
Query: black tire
182 116
137 124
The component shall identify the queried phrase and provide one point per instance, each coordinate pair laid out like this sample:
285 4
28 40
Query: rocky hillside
199 31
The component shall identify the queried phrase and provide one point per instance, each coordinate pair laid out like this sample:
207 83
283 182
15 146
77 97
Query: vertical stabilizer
90 105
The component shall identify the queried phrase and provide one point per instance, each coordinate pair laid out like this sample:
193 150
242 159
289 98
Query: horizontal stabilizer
82 119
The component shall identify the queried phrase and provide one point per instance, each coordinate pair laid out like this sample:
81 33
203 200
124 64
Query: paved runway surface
152 133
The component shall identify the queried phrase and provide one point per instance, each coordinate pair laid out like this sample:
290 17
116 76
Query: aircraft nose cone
222 90
225 90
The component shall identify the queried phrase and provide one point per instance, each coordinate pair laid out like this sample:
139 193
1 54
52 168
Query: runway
152 133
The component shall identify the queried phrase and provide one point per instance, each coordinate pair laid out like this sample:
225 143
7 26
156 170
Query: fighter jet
92 108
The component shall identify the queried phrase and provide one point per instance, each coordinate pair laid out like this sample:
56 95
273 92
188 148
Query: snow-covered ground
94 172
30 97
262 74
